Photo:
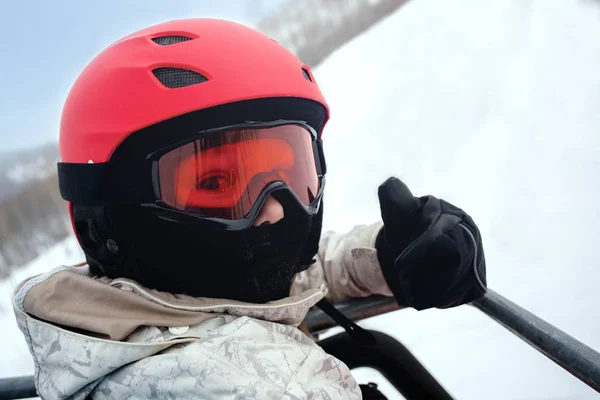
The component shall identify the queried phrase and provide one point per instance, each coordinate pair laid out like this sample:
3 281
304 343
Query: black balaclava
254 265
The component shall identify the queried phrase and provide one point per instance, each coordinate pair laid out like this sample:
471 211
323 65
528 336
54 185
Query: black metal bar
19 387
356 310
394 361
577 358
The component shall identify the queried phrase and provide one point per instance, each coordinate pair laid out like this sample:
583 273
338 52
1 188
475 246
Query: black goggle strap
97 184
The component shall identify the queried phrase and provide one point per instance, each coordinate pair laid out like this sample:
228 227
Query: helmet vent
306 74
169 40
177 78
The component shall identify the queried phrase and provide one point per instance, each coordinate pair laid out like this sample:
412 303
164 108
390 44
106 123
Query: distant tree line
313 29
31 222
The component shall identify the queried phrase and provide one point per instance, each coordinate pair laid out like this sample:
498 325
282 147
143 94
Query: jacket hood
80 329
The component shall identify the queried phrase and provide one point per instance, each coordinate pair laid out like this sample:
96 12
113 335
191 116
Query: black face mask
255 265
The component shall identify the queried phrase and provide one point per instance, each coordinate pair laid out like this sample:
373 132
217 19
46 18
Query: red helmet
162 87
172 69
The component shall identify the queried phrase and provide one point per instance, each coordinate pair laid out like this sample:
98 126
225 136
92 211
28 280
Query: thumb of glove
398 206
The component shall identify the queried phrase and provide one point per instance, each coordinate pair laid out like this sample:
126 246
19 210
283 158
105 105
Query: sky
46 44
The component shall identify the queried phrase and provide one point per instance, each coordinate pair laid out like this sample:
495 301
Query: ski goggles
222 176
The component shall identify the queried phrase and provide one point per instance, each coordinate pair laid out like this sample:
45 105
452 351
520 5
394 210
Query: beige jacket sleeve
347 264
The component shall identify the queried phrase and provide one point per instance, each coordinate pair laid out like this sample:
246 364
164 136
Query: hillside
492 106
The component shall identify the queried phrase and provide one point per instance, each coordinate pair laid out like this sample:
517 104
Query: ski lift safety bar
578 359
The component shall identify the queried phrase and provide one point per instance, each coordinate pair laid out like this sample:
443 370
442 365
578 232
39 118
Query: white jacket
114 339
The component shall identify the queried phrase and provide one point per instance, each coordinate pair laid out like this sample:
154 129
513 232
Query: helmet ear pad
93 232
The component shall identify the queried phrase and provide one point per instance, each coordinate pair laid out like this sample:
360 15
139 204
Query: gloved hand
430 251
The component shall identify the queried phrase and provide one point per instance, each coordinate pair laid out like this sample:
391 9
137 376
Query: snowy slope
15 358
492 105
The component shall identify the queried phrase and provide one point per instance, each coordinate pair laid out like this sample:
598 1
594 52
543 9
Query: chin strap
360 335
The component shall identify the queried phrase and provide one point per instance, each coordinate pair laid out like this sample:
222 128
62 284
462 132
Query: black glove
430 251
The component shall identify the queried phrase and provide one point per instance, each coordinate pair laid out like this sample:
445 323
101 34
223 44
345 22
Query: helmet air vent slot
171 39
306 74
177 78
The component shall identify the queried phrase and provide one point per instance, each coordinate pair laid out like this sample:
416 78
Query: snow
15 359
492 106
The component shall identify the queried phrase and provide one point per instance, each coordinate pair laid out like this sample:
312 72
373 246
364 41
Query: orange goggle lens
221 175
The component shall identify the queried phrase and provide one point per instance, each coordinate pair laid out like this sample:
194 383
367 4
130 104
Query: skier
193 166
